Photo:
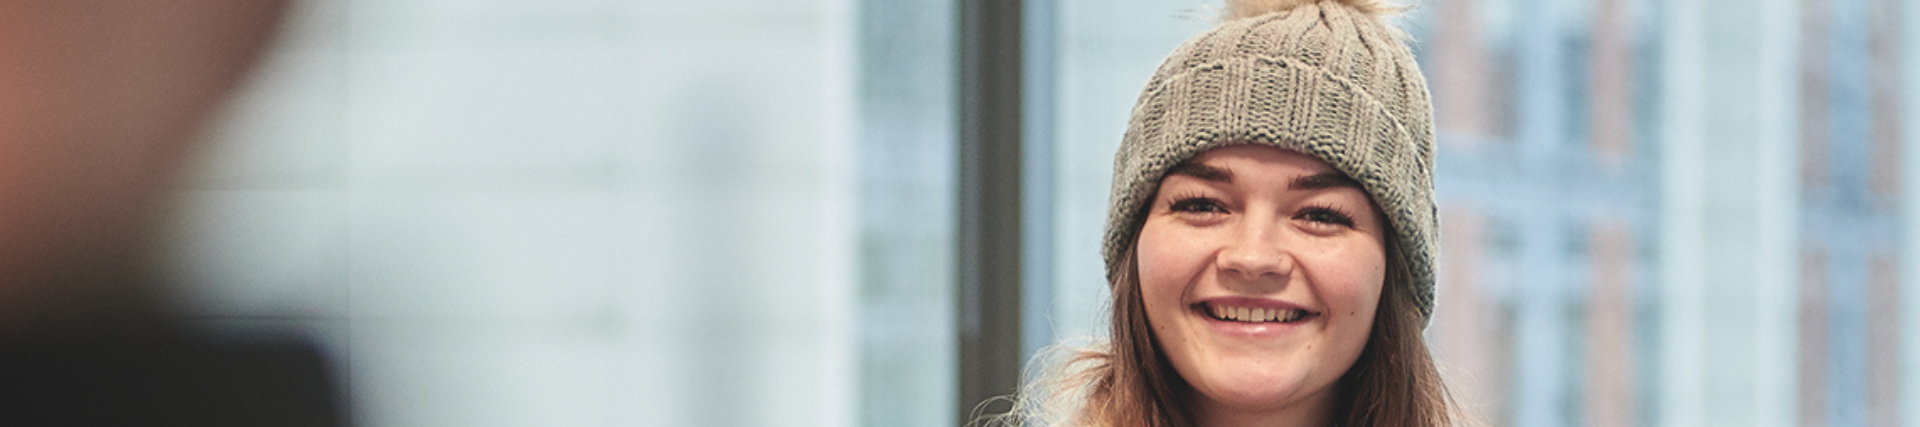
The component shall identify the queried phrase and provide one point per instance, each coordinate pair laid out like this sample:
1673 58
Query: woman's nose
1256 251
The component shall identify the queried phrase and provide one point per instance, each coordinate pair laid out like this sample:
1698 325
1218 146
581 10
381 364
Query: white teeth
1255 314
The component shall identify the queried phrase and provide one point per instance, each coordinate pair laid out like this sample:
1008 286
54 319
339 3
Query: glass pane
1107 49
594 212
907 347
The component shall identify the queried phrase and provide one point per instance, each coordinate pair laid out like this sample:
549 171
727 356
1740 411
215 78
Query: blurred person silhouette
103 100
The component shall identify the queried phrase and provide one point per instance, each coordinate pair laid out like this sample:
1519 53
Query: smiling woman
1270 238
1260 285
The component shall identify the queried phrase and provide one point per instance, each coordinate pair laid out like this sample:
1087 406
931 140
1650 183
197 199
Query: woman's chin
1255 391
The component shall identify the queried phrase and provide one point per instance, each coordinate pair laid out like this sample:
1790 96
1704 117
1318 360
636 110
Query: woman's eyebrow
1204 172
1323 180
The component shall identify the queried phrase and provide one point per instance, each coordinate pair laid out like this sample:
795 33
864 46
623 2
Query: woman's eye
1326 216
1197 205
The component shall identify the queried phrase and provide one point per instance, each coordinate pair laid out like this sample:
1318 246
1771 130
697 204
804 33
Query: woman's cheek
1167 258
1357 274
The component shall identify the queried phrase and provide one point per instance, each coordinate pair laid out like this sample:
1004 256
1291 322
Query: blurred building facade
1674 213
1850 230
1548 179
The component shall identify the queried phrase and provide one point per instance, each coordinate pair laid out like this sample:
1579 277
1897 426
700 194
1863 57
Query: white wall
551 213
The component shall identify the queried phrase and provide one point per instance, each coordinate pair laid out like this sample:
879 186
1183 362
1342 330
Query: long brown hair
1128 382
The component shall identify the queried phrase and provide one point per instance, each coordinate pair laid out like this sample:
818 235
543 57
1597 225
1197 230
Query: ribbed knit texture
1322 79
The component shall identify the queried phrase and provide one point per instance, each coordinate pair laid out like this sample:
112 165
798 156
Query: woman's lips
1252 316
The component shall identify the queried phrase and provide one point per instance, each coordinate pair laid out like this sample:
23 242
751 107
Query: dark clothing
163 376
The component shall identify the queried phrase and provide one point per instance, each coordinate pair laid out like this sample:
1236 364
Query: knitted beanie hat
1324 78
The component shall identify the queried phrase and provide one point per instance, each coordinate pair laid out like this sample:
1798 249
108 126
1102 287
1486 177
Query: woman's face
1260 270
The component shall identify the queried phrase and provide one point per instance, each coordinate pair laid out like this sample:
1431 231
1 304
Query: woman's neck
1315 411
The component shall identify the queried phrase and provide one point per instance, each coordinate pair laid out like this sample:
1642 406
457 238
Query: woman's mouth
1250 314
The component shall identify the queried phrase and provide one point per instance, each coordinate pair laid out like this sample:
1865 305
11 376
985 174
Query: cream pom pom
1237 9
